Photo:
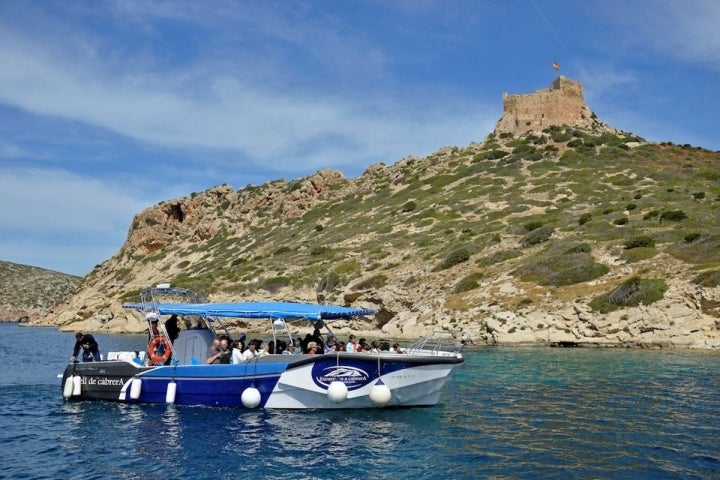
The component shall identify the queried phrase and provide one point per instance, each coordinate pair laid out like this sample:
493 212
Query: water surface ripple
509 413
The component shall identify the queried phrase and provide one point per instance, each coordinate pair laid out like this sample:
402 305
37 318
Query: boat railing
442 342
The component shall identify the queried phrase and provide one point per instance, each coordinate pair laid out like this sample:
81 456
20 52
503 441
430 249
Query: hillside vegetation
564 236
27 293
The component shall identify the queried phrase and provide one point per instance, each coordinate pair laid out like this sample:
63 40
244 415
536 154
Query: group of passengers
224 350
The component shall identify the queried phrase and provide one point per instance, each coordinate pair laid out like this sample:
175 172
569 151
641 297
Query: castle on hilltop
560 104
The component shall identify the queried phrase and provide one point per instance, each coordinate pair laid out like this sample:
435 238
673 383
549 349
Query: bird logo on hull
352 377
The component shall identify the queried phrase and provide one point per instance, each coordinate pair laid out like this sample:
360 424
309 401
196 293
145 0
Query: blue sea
508 413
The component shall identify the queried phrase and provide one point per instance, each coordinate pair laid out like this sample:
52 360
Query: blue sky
109 107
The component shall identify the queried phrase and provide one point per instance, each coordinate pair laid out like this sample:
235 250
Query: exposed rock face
383 234
560 104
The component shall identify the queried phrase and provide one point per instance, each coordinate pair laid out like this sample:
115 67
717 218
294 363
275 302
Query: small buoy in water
135 387
68 387
380 394
170 394
250 397
337 391
77 384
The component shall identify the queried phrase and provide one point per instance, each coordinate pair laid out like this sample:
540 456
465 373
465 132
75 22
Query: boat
175 371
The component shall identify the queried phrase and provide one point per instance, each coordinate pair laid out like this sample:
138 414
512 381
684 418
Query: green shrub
630 206
641 241
274 284
579 248
708 279
376 281
704 250
584 218
530 226
561 269
537 236
673 215
453 258
467 283
409 206
637 254
691 237
698 195
499 257
621 221
630 293
651 214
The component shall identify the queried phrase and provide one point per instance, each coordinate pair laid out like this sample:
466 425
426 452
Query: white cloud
41 201
683 31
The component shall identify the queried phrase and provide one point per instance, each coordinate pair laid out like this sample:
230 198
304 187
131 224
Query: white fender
337 391
250 397
135 388
171 391
380 394
68 387
77 383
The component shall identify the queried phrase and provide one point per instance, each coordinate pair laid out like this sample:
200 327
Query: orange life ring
152 350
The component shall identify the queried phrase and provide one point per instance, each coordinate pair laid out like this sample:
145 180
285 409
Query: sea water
507 413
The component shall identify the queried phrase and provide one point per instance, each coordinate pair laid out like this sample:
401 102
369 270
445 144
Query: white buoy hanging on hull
170 393
68 387
135 388
380 394
77 385
337 391
250 397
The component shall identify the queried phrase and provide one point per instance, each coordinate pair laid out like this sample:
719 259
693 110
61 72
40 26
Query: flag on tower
556 66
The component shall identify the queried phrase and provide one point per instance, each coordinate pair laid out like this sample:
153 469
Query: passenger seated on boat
225 352
312 348
251 352
213 353
384 346
237 353
331 343
297 348
352 344
270 347
261 352
397 348
287 348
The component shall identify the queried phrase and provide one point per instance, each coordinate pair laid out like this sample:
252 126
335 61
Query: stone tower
560 104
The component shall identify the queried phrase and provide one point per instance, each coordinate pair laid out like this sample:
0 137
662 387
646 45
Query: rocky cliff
556 230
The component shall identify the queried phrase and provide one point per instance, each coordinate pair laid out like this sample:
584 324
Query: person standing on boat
91 350
173 330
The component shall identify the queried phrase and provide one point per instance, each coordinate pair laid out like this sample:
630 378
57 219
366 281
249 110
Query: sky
110 107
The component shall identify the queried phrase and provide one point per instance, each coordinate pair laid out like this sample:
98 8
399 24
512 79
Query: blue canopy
285 310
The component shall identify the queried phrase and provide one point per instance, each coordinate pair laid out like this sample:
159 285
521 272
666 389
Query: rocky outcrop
384 235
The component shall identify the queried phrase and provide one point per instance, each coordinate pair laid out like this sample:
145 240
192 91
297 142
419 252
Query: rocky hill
27 293
566 235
